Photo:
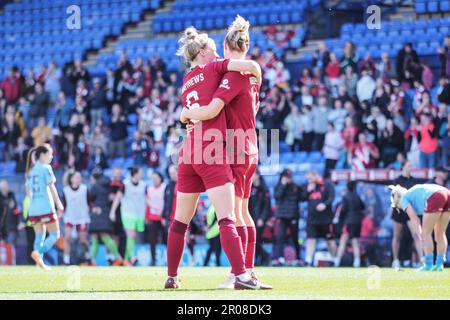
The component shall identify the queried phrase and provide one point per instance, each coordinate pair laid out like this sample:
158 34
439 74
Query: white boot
228 283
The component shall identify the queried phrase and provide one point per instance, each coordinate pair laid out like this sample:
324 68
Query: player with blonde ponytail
213 174
240 93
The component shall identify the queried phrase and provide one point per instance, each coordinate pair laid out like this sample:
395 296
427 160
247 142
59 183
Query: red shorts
438 202
197 178
42 219
80 227
243 175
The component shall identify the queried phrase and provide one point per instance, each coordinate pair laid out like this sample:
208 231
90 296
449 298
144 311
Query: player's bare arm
203 113
246 66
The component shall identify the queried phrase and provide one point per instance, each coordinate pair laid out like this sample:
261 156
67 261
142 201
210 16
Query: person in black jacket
11 216
170 194
101 226
352 214
320 195
287 196
401 220
260 209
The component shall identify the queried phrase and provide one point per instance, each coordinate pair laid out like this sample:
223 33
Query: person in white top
133 205
153 216
332 148
76 214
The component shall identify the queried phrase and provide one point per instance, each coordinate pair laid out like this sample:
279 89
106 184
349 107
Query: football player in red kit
240 92
202 164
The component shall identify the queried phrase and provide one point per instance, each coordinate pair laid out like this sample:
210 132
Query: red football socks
175 246
251 248
242 232
231 244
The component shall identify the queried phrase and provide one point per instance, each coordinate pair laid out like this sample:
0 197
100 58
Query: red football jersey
199 85
240 92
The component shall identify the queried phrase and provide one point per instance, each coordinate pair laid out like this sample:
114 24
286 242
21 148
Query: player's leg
84 240
186 204
356 253
112 248
441 240
39 231
94 247
396 237
416 241
53 236
67 242
428 223
341 249
153 236
130 245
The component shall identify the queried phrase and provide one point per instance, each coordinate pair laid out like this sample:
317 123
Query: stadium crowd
355 110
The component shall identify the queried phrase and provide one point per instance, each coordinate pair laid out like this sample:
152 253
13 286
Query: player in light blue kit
432 202
43 194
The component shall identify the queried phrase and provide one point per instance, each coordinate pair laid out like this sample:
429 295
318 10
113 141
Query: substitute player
42 191
432 203
202 159
240 92
76 215
133 205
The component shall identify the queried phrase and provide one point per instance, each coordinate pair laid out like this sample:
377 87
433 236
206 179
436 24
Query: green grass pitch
200 283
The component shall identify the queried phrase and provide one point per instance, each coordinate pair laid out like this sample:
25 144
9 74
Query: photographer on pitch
287 196
319 194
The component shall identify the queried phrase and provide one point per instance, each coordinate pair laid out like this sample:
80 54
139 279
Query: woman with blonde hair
202 160
240 92
432 203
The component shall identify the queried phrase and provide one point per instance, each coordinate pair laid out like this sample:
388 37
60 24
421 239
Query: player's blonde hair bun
397 193
191 43
238 37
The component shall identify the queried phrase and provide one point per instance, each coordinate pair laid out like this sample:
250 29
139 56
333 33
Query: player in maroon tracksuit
240 92
202 164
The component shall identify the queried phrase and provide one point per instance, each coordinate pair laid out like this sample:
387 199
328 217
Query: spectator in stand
391 143
441 177
10 133
427 76
12 85
42 133
20 155
78 72
349 58
260 209
293 126
140 149
40 102
337 115
412 143
426 106
307 125
332 148
351 215
349 79
401 222
333 71
97 102
64 108
11 213
385 68
428 141
444 57
365 86
322 57
320 121
367 64
364 154
407 62
287 196
319 194
52 81
155 206
119 133
97 139
99 159
278 75
444 135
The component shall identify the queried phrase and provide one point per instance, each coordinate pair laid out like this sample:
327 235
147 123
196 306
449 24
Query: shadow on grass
110 291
